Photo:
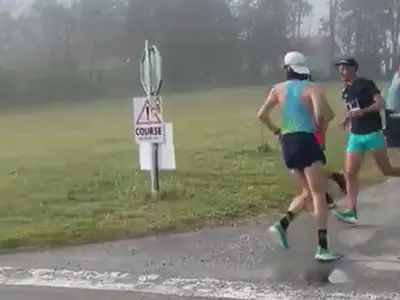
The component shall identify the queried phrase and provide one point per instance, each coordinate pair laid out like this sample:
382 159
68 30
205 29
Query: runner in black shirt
363 121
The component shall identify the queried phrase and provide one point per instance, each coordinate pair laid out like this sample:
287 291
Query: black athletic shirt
360 94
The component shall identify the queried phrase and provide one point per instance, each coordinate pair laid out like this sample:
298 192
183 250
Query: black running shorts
300 150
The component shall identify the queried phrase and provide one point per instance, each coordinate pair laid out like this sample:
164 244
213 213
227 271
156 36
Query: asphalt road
40 293
232 262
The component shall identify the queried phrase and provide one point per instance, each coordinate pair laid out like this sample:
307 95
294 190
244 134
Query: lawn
70 174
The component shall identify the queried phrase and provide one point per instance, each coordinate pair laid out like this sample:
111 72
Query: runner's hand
278 134
345 125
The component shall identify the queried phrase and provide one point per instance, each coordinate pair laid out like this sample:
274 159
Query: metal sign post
151 80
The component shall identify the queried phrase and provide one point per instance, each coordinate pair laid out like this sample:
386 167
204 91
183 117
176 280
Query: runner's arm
329 115
264 113
318 107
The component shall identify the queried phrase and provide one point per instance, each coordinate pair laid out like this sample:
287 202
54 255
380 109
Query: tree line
84 49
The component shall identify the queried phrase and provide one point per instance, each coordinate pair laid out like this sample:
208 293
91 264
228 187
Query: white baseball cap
297 62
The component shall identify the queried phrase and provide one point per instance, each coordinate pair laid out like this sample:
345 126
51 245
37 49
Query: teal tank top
295 115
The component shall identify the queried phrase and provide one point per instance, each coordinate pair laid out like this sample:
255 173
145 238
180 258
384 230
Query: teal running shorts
366 142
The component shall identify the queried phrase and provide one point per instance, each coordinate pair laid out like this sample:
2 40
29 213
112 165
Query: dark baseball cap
349 61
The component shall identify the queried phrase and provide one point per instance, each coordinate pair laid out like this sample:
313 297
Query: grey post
151 79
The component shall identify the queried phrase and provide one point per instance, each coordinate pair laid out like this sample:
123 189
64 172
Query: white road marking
153 283
338 276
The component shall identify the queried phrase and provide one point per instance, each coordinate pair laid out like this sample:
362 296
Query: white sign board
148 120
166 152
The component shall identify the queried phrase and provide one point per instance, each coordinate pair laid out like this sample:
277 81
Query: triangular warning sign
148 115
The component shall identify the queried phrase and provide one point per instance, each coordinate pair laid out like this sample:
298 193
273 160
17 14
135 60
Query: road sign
151 70
166 153
148 120
148 115
151 80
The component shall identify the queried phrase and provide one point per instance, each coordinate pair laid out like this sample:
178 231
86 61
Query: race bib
353 105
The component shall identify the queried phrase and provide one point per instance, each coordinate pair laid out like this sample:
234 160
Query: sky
320 9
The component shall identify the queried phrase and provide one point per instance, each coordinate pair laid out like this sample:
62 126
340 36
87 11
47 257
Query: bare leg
394 154
301 178
339 179
318 186
381 158
327 172
354 161
298 204
305 196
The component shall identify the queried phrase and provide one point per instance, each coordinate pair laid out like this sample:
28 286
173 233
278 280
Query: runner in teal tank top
301 114
297 116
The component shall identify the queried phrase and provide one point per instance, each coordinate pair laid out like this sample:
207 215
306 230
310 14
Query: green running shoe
279 234
325 255
348 216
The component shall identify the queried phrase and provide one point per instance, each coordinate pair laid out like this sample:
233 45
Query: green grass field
71 175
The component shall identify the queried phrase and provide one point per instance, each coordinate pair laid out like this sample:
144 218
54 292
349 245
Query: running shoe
325 255
348 216
340 180
279 234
